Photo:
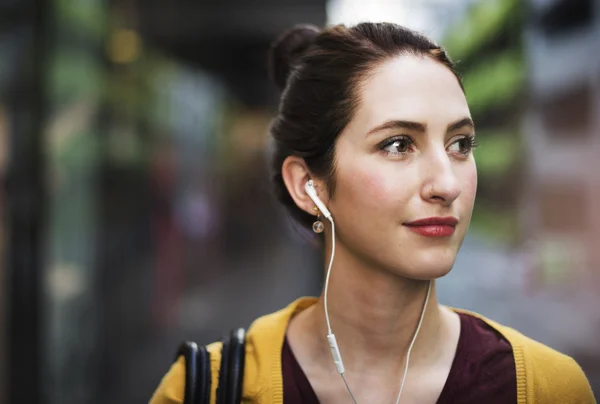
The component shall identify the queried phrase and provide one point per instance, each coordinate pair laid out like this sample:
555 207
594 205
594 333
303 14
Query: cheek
373 187
470 184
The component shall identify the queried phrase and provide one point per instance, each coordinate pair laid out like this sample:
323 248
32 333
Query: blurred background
135 203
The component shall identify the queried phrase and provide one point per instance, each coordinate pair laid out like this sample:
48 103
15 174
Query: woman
374 131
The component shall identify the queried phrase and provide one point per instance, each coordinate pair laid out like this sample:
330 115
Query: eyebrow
395 124
419 127
460 124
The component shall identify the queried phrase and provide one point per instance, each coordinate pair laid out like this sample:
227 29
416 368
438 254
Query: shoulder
542 372
170 389
553 375
264 341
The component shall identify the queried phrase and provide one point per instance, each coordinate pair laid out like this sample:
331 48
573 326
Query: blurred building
132 130
531 75
562 136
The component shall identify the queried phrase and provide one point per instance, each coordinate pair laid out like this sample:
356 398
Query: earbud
309 187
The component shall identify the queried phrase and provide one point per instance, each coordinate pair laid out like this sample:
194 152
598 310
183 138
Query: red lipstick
433 226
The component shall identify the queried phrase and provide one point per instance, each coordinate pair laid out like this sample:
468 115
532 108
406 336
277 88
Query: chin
431 272
427 264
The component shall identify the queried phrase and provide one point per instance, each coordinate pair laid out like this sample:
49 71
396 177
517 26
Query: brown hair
319 73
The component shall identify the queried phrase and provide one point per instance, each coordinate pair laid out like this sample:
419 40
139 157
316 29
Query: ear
295 175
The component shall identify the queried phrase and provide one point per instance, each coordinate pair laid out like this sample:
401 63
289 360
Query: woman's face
406 156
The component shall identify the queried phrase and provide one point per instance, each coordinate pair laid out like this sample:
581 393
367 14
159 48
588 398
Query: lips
433 226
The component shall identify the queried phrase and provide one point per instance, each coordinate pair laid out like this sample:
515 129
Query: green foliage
86 18
81 149
498 152
484 21
495 82
75 74
485 42
498 226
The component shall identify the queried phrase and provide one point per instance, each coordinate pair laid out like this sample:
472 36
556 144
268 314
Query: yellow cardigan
544 376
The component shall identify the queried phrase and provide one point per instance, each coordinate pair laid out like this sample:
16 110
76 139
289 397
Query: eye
464 145
397 145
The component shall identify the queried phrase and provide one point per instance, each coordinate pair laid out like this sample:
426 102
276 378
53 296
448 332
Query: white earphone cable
337 357
412 343
329 273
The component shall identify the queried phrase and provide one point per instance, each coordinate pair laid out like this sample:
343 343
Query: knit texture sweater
544 376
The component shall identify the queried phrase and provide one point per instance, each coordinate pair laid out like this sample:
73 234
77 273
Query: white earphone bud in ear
309 187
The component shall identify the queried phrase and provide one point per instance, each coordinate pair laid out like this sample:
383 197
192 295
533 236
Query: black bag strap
197 373
231 373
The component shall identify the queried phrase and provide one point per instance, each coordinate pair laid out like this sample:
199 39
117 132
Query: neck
374 315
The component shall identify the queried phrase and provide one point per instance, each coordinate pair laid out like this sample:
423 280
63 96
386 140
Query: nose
441 185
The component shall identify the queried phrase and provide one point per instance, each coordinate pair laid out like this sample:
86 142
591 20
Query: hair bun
287 49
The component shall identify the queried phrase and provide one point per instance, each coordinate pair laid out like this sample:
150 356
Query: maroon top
483 370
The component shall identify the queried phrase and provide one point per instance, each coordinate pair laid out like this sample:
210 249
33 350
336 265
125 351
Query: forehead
411 88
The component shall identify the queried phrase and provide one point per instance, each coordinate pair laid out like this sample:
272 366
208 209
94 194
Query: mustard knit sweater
544 376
